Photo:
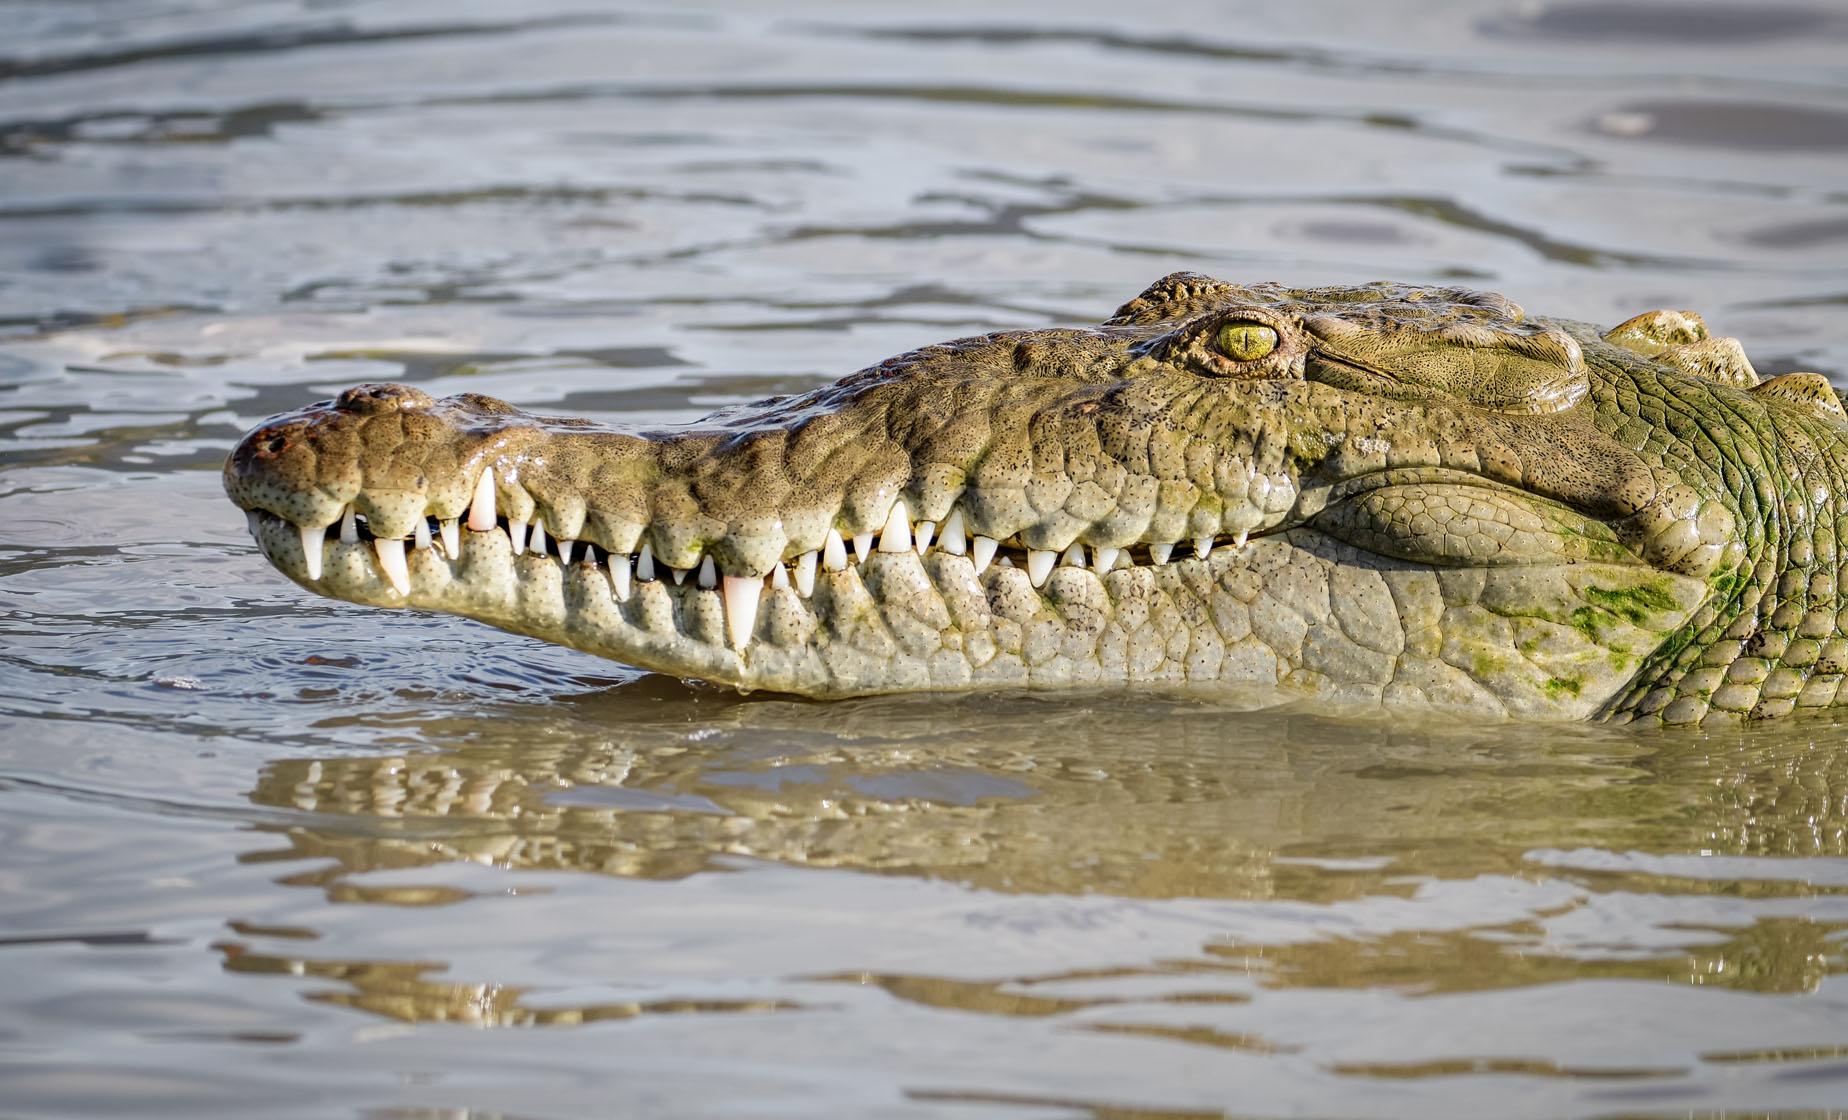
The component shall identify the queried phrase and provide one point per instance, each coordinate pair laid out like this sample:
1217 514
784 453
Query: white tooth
619 577
1203 546
452 537
516 533
1103 559
311 548
537 543
708 573
741 595
834 552
983 552
349 527
954 542
1160 552
1007 561
250 521
927 532
896 536
1243 536
805 573
565 549
423 532
862 547
1039 565
481 510
391 561
779 576
1074 556
679 574
644 563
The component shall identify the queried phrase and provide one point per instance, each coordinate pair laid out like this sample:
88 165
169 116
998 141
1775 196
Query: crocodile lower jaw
512 559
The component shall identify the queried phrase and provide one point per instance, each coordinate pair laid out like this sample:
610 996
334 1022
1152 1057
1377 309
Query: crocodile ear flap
1810 389
1715 359
1681 339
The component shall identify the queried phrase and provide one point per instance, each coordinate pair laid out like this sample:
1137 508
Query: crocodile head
1375 493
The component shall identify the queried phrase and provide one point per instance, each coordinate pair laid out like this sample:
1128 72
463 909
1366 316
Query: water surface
269 854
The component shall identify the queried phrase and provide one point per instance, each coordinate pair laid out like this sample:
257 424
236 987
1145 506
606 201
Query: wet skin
1378 494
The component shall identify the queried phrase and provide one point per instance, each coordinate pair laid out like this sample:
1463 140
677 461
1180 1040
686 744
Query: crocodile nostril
274 445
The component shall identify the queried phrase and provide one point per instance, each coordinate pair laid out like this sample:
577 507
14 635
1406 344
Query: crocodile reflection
405 991
1167 798
1172 797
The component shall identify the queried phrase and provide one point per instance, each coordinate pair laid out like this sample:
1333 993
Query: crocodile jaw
1047 510
1296 609
929 606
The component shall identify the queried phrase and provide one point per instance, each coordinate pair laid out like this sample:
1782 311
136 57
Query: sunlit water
264 854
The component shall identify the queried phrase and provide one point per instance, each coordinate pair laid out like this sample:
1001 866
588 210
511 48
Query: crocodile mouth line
448 538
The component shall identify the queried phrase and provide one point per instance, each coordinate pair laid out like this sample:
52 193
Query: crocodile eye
1246 342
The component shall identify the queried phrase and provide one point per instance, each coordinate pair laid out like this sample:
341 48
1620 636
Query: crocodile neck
1770 638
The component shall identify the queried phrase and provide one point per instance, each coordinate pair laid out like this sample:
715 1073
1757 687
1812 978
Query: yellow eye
1246 342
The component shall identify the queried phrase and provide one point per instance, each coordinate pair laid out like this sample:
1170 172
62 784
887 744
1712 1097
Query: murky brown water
269 855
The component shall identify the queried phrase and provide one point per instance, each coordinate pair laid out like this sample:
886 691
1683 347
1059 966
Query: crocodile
1375 494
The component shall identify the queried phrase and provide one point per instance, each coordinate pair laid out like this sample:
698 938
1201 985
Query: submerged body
1376 494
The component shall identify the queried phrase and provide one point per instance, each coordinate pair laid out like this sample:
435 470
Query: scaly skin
1377 494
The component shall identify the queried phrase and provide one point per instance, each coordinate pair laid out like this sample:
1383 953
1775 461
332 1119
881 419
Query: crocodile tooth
955 539
452 537
644 563
927 532
862 547
741 595
250 521
805 573
311 548
708 573
896 536
537 543
565 549
834 552
1074 556
422 533
1243 536
679 574
1160 552
619 577
983 552
349 527
391 561
1103 559
481 510
1039 565
516 533
779 576
1203 546
1007 561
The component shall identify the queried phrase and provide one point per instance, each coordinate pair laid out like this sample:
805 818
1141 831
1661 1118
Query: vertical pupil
1246 342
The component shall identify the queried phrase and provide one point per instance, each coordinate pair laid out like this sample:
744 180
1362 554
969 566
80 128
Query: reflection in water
403 991
1172 797
1159 797
1770 955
